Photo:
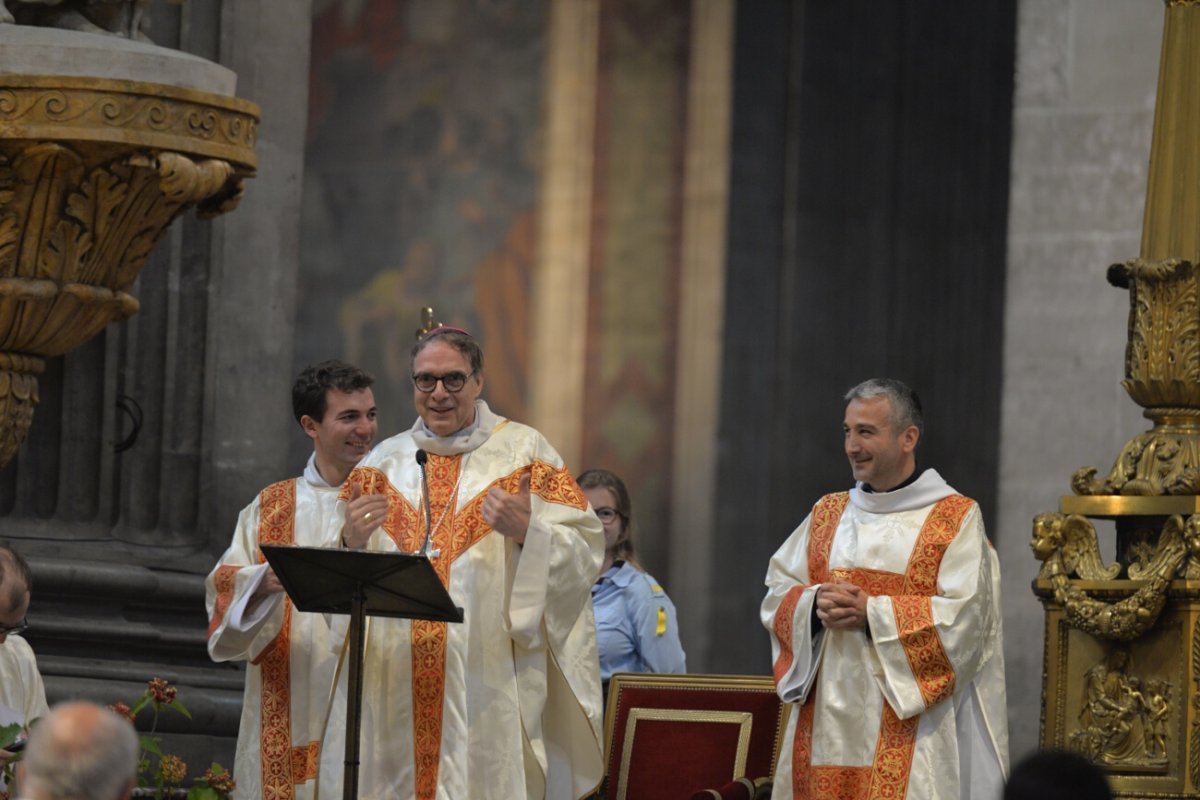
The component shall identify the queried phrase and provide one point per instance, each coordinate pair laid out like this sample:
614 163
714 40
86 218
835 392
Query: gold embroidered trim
825 516
277 525
783 630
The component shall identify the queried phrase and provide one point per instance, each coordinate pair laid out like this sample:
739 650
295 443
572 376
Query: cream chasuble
284 740
506 704
917 709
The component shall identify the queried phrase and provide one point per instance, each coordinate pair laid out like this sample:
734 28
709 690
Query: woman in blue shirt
636 629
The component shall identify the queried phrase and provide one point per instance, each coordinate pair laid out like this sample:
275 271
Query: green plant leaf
150 744
203 793
9 734
140 704
176 704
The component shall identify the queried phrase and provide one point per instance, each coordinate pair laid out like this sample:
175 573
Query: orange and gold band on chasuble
911 594
456 532
825 516
283 765
783 632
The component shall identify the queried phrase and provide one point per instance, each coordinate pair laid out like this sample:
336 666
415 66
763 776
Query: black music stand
360 583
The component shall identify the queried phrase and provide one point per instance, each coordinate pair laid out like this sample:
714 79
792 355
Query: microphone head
422 457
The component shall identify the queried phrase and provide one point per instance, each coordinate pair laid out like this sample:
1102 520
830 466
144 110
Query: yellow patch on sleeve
662 622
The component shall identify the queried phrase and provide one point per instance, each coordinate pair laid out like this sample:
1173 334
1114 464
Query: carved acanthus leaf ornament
92 173
1162 374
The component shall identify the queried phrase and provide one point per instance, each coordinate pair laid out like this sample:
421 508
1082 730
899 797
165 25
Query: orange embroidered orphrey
783 631
461 528
887 778
283 766
940 528
305 760
429 639
875 582
893 756
223 582
825 516
802 774
923 647
553 484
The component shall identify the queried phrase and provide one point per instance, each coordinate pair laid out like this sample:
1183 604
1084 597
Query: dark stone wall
152 436
868 216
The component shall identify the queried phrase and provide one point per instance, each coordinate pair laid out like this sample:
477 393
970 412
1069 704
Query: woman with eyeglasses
636 629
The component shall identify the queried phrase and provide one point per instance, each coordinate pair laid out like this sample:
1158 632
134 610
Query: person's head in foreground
80 751
1056 775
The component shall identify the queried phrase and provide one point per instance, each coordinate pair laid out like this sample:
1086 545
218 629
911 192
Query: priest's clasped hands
841 606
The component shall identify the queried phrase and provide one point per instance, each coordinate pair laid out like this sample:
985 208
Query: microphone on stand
422 459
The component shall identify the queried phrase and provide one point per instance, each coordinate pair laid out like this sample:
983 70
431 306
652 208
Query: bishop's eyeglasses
452 381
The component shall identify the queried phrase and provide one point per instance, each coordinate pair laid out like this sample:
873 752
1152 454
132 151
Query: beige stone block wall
1083 110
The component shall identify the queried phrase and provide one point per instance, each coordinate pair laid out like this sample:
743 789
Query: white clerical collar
313 475
924 491
464 441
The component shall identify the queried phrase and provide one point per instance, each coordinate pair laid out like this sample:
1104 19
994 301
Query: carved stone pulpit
1121 681
103 143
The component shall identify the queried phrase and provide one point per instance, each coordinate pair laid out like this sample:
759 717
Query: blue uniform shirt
636 629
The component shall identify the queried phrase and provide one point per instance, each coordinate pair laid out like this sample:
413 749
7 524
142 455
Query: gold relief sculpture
1162 461
1067 546
1158 712
92 172
1162 374
1122 723
1144 729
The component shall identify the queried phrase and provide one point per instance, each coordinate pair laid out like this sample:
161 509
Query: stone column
253 291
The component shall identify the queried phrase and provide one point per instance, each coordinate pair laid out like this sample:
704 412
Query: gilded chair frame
682 684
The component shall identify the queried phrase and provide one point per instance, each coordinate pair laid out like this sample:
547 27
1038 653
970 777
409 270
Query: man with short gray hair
80 751
884 614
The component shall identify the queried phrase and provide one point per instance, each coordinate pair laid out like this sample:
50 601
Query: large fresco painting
420 186
641 108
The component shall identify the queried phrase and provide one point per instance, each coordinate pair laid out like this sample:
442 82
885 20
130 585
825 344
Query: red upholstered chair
668 737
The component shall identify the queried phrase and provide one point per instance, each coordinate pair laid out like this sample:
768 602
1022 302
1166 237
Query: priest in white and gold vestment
506 704
885 621
292 732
